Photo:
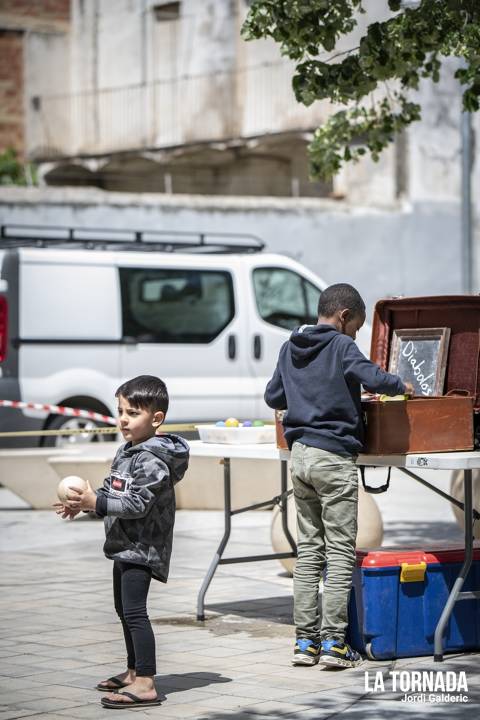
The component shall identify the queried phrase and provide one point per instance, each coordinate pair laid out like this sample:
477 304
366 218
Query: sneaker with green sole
340 654
306 652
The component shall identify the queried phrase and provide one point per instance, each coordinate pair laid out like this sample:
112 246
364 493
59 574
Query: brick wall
17 16
46 10
11 90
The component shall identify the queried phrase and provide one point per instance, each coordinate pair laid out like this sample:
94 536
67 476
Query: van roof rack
13 235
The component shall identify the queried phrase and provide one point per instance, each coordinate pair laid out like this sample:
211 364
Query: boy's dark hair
340 297
146 392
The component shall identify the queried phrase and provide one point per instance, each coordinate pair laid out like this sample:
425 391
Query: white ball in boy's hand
71 481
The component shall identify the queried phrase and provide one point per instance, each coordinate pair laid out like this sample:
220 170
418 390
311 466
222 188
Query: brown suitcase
428 424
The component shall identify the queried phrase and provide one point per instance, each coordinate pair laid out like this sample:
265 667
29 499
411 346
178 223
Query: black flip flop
117 684
136 701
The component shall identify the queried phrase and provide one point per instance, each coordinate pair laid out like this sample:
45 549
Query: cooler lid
460 313
394 557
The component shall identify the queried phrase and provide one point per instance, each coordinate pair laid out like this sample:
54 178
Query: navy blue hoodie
317 379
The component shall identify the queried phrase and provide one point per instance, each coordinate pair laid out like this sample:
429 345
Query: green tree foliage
390 59
13 172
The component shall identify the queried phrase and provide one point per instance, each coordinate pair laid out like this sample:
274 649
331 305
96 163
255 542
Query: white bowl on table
236 435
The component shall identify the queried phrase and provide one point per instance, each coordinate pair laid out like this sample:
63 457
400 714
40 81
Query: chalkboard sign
419 356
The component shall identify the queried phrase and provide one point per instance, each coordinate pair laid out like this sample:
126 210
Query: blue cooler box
397 599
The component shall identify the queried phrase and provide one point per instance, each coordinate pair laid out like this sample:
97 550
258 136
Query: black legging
130 589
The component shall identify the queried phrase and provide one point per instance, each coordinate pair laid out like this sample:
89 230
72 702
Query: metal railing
18 235
247 102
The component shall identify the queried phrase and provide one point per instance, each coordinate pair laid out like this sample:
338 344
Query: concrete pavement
59 634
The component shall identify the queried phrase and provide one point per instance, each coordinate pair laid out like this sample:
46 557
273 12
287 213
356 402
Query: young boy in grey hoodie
137 502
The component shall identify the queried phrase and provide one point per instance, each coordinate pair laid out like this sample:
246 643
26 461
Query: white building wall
121 42
368 182
83 46
475 119
435 142
47 68
207 95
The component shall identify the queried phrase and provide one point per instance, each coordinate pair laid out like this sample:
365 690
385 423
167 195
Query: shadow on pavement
168 684
278 609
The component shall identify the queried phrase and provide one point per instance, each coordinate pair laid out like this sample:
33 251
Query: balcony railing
245 103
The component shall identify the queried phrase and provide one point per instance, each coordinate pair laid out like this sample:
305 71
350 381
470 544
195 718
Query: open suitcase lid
461 313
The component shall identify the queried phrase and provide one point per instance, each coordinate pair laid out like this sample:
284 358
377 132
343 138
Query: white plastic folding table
226 453
465 461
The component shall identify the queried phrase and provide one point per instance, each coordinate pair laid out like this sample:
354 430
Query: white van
81 311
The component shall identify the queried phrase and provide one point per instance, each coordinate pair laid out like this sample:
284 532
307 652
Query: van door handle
257 347
232 347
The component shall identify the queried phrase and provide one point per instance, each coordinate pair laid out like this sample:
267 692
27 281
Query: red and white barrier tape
59 410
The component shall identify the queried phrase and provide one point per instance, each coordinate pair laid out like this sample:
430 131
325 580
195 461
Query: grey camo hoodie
137 502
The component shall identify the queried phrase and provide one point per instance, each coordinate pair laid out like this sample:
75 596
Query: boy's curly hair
340 297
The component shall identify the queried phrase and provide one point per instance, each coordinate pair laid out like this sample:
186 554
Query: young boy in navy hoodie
317 380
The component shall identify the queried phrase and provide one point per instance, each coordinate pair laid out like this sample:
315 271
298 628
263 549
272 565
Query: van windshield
284 298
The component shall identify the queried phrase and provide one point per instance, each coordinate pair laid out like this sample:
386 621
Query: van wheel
59 422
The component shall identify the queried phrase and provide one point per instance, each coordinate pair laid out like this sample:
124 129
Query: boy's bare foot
142 687
117 681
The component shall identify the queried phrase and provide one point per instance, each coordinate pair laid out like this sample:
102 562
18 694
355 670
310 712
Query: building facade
162 96
154 96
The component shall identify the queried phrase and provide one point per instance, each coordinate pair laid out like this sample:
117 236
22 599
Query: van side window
285 298
175 306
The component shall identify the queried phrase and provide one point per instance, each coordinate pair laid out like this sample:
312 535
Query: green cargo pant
325 488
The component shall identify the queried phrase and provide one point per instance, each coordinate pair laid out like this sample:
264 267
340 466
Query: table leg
455 592
284 507
223 542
